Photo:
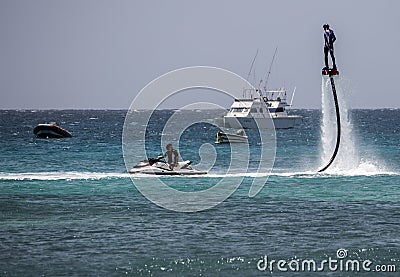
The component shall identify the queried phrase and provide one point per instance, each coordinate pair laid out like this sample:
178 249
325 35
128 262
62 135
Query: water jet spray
331 73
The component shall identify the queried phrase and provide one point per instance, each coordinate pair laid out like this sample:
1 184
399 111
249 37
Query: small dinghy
231 138
50 130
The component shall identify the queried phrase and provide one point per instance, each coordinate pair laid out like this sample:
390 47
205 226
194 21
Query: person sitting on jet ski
171 151
330 38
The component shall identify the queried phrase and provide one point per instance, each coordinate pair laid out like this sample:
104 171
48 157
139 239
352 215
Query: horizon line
166 109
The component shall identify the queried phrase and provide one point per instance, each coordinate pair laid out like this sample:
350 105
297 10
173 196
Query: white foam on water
363 169
56 175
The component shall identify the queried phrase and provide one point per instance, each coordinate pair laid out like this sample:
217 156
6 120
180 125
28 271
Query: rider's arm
176 156
333 37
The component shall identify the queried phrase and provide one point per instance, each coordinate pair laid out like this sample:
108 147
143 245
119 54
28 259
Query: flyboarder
330 38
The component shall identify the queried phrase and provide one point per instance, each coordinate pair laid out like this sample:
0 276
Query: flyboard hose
331 73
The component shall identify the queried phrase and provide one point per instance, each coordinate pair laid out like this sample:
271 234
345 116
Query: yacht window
237 110
253 110
261 110
279 110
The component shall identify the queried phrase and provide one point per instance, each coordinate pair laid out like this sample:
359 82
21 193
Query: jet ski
158 166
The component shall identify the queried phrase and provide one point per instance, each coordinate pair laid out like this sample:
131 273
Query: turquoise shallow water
68 207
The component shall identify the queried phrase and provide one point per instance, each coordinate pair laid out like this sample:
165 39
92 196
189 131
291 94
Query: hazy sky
98 54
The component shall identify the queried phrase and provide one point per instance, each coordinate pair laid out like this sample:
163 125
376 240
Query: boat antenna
291 101
259 85
251 67
269 71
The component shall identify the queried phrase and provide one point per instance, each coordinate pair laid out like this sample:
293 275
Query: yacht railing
251 93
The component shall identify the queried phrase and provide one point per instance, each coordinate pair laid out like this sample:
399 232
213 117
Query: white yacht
258 112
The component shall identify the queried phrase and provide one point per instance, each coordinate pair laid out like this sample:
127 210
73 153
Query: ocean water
68 207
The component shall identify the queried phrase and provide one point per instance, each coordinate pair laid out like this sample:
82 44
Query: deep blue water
68 207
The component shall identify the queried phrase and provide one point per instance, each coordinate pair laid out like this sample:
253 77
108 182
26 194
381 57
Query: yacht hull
286 122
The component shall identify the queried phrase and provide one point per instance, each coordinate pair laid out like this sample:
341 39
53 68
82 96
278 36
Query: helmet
325 26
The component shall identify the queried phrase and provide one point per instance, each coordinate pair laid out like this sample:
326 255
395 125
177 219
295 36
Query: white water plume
348 158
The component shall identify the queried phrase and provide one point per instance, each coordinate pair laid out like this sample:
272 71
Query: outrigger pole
331 73
251 67
269 71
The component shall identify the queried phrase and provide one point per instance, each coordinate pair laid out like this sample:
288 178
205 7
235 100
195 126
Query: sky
94 54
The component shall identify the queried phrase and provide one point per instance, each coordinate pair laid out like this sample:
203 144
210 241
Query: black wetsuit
329 38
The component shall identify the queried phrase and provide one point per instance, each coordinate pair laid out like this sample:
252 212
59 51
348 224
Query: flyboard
331 73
